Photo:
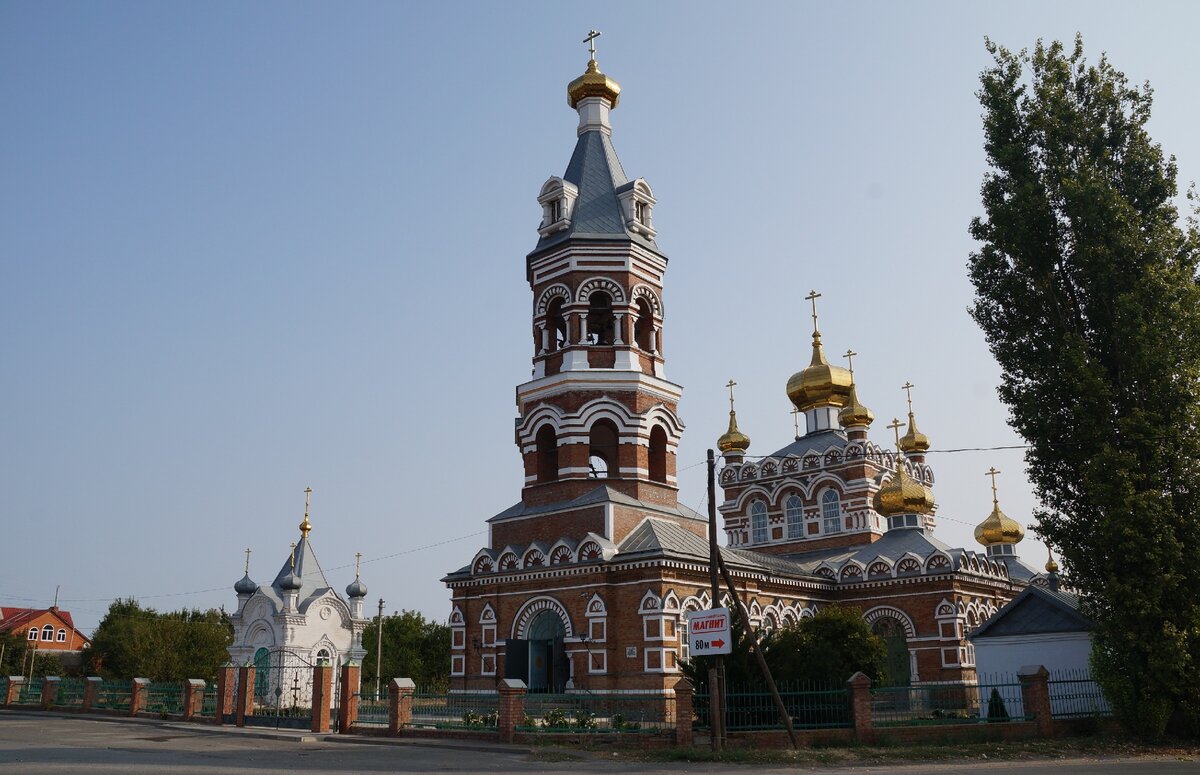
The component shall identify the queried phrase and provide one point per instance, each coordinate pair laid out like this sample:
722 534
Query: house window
489 635
555 210
458 638
831 511
758 522
684 648
640 212
457 664
33 633
596 630
794 509
62 636
48 632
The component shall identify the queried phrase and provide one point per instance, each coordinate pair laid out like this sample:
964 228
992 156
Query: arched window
658 454
32 634
794 509
322 655
602 449
831 511
600 321
547 454
897 665
643 329
557 324
48 632
758 522
262 674
62 636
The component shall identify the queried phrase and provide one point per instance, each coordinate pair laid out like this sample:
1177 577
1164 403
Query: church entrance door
897 665
539 659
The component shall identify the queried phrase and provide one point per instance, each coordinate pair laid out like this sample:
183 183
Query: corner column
91 690
860 707
193 695
1035 695
348 710
322 697
400 704
137 695
683 713
512 707
226 680
245 694
50 684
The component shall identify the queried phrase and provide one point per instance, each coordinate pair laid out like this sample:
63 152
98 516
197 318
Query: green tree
16 654
412 648
827 649
1086 292
137 642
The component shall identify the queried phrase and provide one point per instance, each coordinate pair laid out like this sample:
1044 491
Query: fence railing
598 712
947 703
114 695
164 698
30 693
70 693
373 710
208 703
1075 694
460 710
751 707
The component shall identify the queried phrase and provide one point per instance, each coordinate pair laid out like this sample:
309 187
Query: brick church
585 581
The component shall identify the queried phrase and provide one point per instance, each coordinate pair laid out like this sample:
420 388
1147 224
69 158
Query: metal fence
458 710
373 709
1075 694
998 699
164 698
30 693
70 693
598 712
114 695
208 702
751 707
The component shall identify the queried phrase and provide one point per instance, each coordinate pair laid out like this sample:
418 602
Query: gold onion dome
733 440
902 495
1051 565
998 528
593 83
821 383
855 413
914 440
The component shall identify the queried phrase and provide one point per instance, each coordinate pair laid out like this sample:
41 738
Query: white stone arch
456 617
589 547
534 557
826 481
488 614
852 570
595 606
754 492
945 609
531 423
875 565
605 408
260 633
784 491
882 611
535 606
935 565
593 284
562 552
327 644
909 563
483 562
556 291
691 603
670 603
650 602
660 415
643 291
807 612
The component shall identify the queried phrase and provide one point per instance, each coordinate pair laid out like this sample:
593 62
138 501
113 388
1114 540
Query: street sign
709 632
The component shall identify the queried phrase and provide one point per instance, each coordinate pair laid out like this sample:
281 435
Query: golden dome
855 413
593 83
914 440
820 384
733 440
1051 565
902 495
999 528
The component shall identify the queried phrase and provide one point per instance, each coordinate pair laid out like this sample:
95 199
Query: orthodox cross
896 425
591 41
907 388
307 492
730 385
306 526
247 560
796 421
813 296
849 356
992 473
357 560
293 555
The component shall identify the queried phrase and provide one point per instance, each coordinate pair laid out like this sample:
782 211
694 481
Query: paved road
34 744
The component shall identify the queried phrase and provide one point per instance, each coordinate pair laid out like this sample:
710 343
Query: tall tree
137 642
1087 294
412 648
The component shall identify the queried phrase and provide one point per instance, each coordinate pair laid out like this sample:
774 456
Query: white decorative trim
534 606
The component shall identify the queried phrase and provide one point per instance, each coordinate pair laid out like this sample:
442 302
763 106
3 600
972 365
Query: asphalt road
35 744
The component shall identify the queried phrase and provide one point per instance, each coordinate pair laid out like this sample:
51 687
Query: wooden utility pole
716 671
378 646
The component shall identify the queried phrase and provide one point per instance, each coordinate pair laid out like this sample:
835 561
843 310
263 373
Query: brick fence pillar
400 704
245 695
683 713
226 680
91 690
193 696
137 695
348 712
322 696
50 686
512 707
1035 695
860 707
15 682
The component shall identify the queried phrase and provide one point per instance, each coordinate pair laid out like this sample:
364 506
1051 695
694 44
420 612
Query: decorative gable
557 199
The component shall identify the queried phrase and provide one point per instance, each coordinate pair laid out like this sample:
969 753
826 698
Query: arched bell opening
643 328
547 454
556 323
602 450
601 322
658 454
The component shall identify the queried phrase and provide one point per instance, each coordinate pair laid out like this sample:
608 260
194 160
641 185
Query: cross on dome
992 472
813 296
591 41
896 425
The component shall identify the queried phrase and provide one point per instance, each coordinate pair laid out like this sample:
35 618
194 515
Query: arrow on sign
718 643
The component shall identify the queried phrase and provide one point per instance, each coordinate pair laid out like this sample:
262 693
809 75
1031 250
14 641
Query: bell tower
598 411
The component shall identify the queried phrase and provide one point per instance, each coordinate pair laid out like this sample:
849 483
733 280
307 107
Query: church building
295 622
584 583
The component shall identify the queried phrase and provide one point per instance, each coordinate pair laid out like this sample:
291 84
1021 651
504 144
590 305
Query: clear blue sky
246 248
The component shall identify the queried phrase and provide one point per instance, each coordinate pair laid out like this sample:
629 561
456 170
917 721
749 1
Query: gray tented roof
816 443
596 171
312 579
601 495
1036 611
